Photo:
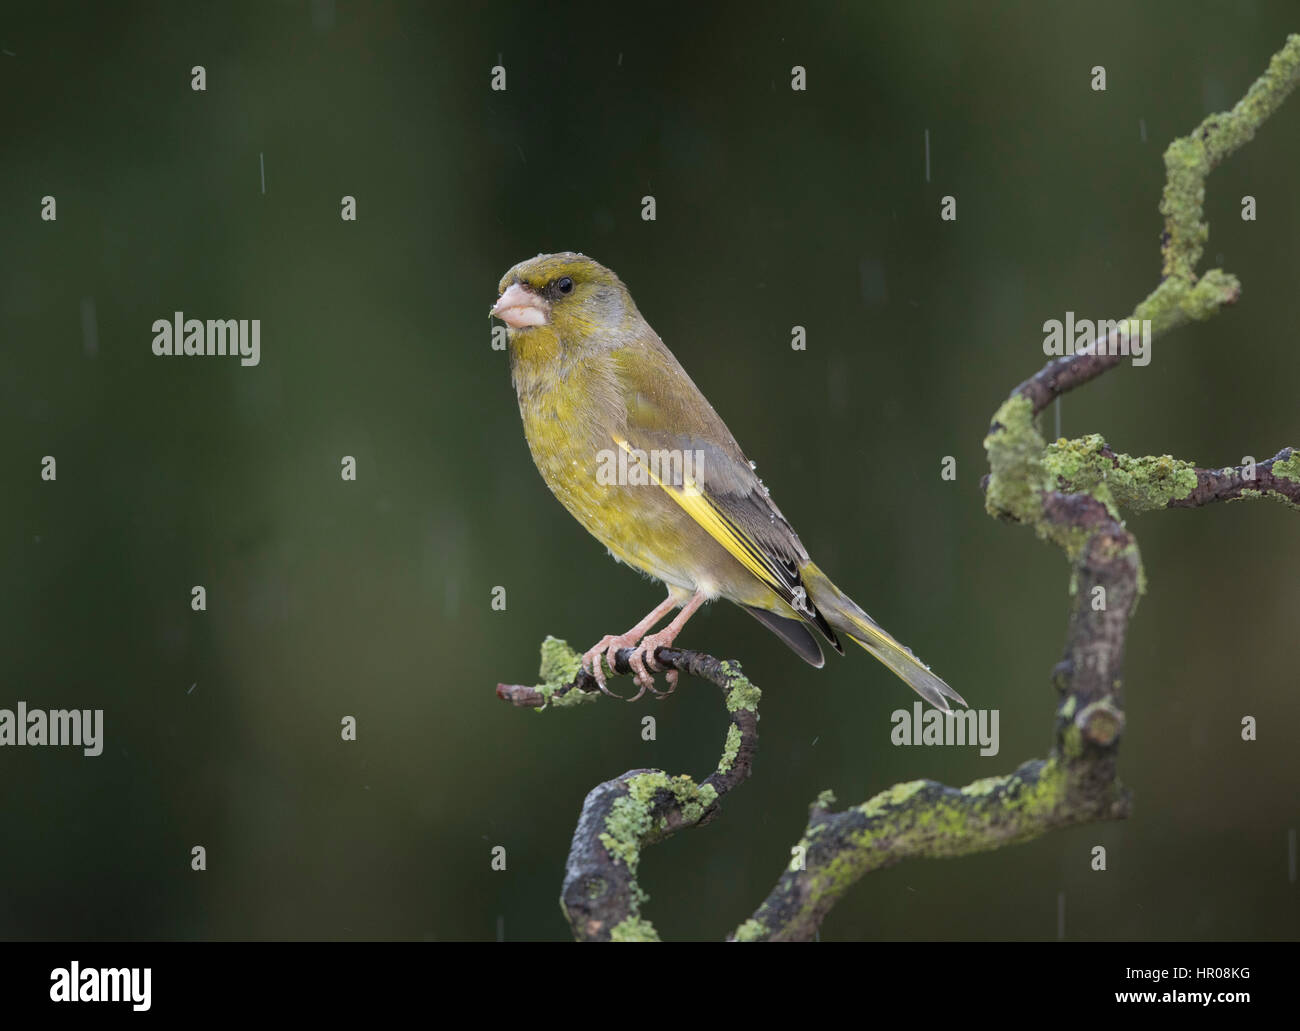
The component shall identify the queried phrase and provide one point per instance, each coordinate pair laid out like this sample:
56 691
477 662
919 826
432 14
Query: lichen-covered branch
1190 159
1182 296
622 817
921 818
1076 784
1070 494
1144 484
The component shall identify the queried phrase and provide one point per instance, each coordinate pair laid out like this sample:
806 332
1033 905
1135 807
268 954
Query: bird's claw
608 646
642 661
644 665
671 677
606 691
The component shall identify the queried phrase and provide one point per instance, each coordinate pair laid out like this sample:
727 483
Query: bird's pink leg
611 643
645 652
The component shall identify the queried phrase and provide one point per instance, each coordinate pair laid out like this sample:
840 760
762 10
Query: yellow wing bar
782 579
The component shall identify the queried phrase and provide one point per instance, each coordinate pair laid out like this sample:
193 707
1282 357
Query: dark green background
373 598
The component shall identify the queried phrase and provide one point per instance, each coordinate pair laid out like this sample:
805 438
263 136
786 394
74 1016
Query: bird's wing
710 479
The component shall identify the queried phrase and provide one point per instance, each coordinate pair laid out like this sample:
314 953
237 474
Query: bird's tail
843 613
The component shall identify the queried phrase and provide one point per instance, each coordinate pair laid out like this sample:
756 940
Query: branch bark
622 817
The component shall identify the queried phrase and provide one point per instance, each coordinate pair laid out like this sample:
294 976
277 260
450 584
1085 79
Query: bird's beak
519 307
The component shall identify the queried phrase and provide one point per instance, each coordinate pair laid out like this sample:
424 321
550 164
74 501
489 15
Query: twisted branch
622 817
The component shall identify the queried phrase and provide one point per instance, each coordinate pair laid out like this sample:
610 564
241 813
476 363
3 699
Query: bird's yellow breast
571 417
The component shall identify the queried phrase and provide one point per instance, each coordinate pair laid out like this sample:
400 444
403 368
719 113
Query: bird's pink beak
519 307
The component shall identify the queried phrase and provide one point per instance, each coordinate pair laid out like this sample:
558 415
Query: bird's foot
643 653
644 666
608 647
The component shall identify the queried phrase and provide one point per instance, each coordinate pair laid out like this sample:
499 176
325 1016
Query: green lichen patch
1077 464
1143 484
559 668
644 786
1211 292
1133 552
751 930
627 823
730 750
1019 477
1289 468
1072 741
1015 448
1249 494
1137 484
984 786
634 929
691 799
631 820
895 796
742 694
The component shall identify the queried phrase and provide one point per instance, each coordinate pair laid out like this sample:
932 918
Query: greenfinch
629 445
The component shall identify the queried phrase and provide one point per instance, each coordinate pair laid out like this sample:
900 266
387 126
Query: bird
633 450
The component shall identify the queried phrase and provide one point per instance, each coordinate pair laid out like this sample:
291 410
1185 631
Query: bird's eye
564 285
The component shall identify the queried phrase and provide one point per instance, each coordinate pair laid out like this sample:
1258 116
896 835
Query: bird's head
567 294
